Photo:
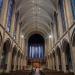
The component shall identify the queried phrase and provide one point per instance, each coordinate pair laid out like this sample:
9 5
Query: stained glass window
73 7
36 47
10 12
36 52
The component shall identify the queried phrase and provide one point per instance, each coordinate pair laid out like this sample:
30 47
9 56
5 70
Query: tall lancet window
10 12
36 47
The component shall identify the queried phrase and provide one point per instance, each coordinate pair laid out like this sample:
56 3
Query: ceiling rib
35 15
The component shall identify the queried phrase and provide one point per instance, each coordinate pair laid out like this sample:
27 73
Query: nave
37 34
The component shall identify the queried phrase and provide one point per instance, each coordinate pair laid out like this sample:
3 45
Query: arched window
36 47
10 12
67 52
73 7
5 54
35 51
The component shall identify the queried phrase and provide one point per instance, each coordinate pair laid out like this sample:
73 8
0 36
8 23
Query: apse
36 48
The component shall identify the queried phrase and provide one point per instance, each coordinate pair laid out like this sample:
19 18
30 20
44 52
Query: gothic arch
36 48
6 48
7 45
66 50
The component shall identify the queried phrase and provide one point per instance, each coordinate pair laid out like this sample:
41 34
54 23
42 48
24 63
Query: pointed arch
67 52
6 49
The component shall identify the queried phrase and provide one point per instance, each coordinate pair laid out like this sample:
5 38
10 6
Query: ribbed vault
35 15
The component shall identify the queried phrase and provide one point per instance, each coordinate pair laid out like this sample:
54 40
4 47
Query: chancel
37 37
36 47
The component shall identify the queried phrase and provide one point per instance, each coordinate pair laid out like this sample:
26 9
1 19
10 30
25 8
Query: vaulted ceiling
35 15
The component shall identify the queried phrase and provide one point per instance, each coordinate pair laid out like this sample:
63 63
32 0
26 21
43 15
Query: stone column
18 62
21 62
48 62
63 62
15 63
53 63
9 61
73 51
57 62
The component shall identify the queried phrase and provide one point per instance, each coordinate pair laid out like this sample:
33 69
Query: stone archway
36 49
5 54
58 52
66 50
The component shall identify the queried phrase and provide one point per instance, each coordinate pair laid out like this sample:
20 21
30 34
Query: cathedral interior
37 37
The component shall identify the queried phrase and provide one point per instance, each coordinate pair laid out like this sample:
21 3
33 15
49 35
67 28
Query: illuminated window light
22 36
50 36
